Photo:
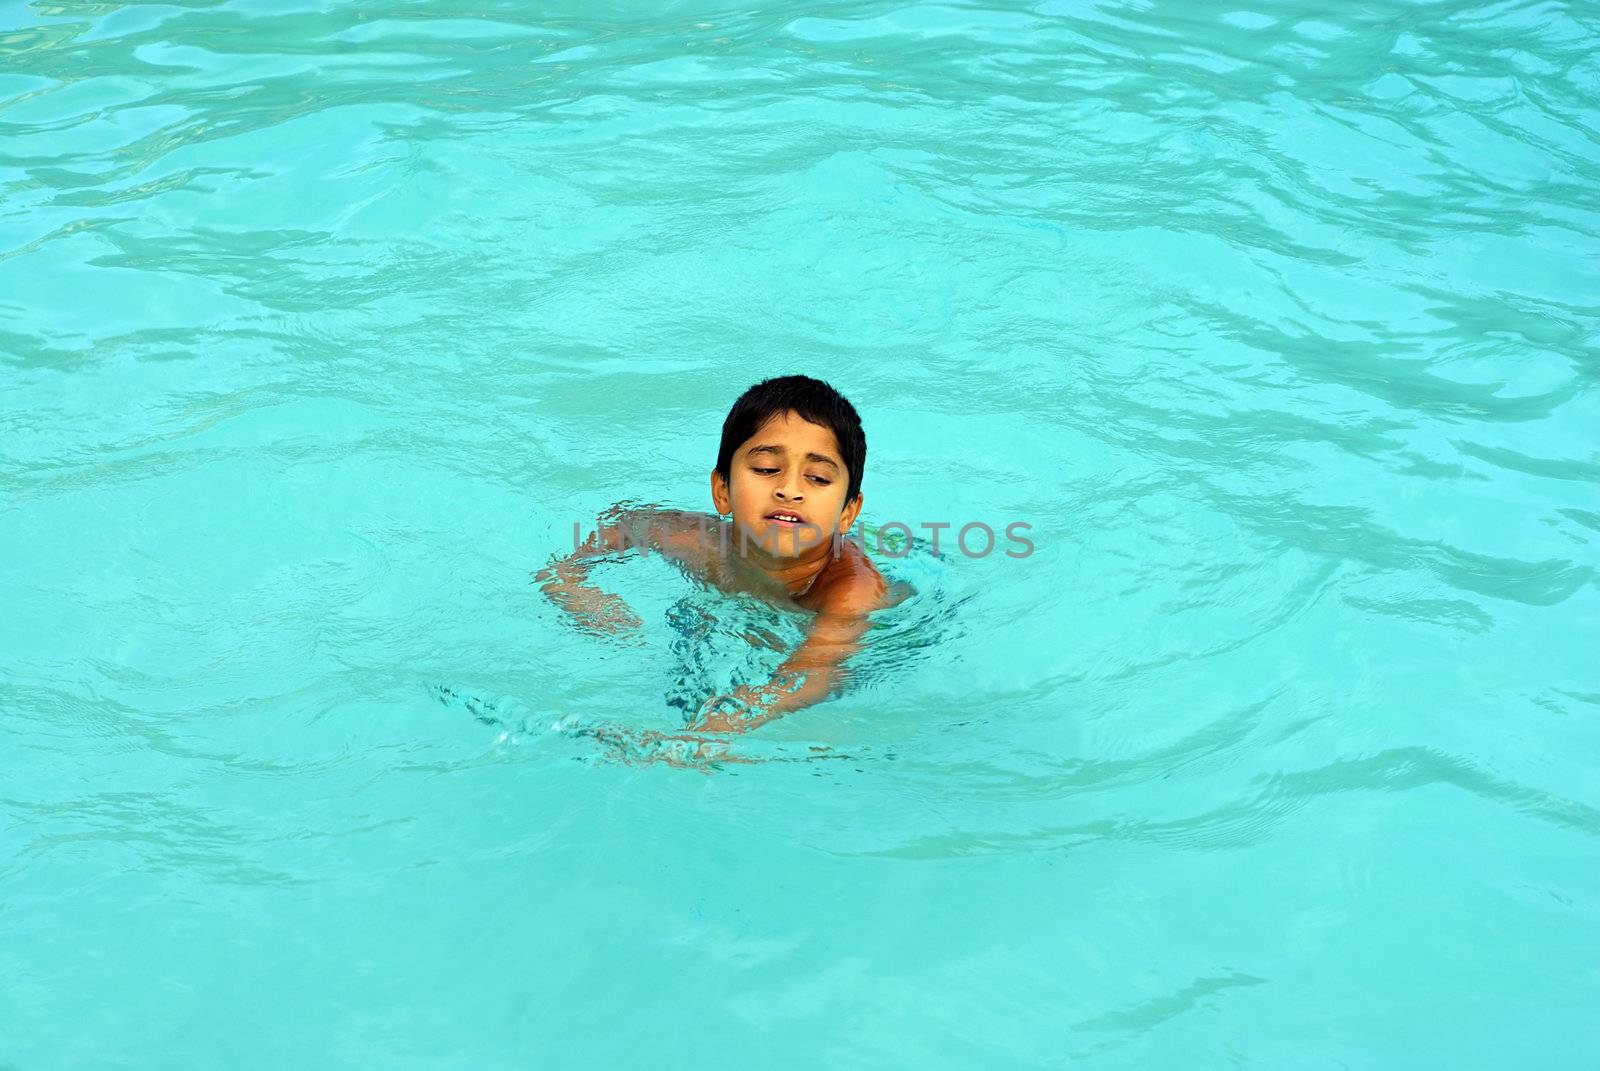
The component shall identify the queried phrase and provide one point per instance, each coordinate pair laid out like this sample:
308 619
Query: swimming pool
320 328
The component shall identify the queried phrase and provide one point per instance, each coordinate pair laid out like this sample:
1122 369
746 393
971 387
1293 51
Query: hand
732 713
607 613
594 609
675 749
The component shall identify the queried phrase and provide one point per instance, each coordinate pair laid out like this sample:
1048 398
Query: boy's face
786 488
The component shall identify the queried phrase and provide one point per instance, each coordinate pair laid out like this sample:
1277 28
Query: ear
848 515
719 493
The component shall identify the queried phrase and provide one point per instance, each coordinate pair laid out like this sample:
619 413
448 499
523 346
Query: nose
791 494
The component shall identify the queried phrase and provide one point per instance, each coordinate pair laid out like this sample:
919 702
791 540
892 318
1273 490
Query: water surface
319 328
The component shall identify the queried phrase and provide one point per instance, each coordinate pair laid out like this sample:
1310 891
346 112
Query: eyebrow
772 448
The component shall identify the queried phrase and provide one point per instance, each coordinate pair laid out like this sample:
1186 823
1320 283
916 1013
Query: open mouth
786 517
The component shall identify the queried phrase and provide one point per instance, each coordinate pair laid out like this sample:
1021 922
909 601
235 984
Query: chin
783 542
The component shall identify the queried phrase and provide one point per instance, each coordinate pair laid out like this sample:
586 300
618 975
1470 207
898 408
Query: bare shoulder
696 541
670 530
851 586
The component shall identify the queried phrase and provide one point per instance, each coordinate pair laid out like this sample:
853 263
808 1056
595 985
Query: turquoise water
318 330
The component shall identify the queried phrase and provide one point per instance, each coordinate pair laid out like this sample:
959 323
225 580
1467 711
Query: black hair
809 399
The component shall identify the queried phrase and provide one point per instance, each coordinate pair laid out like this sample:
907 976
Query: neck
796 575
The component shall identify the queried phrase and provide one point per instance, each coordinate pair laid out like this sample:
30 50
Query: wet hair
809 399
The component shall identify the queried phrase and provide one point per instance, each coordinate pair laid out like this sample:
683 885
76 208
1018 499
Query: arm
566 583
811 673
616 531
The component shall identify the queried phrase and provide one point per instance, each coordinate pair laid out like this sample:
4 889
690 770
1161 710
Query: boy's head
791 446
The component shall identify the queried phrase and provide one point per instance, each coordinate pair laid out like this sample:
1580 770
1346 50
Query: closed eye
821 481
764 472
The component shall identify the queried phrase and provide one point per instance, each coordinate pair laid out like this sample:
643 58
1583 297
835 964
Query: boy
788 473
